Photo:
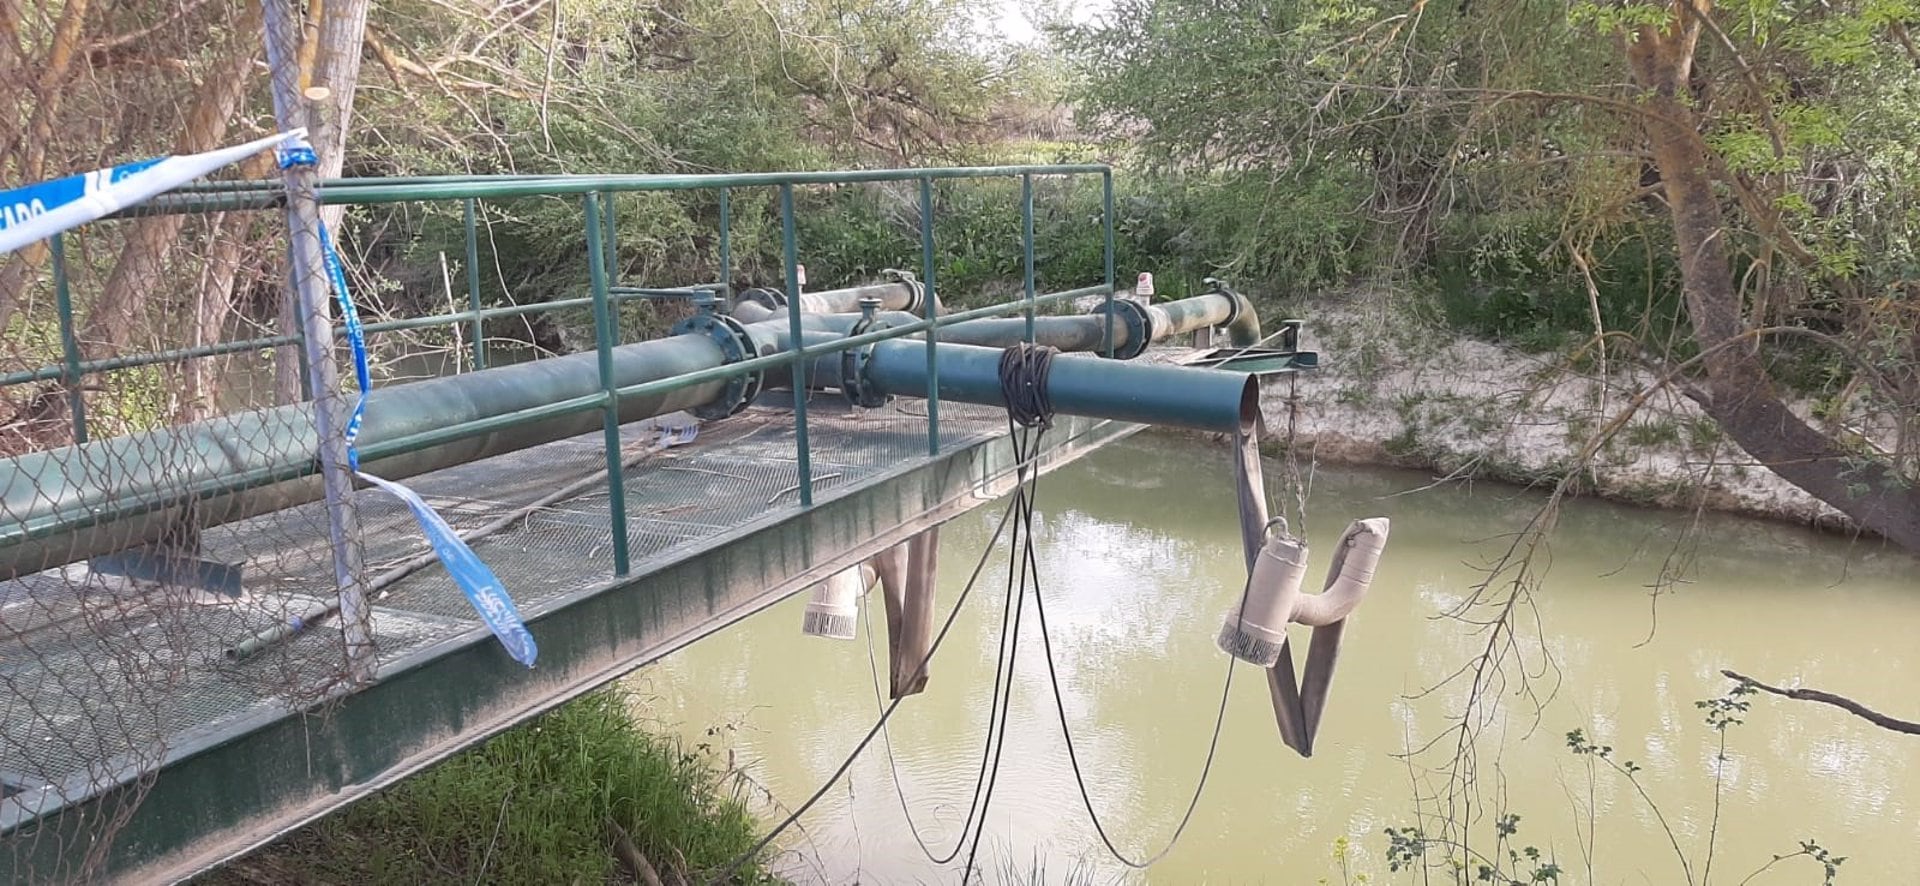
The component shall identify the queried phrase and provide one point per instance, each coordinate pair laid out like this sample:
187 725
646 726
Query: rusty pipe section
1133 326
760 305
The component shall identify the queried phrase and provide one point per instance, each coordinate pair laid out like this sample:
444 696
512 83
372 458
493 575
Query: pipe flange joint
1237 301
771 299
1139 327
917 297
735 346
854 384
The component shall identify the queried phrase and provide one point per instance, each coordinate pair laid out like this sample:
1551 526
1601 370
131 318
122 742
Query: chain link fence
143 362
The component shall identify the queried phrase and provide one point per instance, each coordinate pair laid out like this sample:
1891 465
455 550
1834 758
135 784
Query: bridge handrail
263 194
605 297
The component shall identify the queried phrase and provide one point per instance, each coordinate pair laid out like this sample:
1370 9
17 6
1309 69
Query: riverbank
1396 388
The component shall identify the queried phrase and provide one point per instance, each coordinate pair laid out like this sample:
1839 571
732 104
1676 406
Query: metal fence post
1106 222
933 332
1026 243
69 345
473 287
790 248
308 267
613 237
726 243
603 331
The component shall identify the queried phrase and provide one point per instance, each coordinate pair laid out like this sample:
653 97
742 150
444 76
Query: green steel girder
221 792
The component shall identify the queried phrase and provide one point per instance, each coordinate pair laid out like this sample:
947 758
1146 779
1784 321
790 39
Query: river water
1139 556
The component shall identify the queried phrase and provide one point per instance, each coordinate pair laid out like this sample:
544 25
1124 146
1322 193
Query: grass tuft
528 806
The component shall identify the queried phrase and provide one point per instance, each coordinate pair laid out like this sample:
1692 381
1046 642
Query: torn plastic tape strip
482 587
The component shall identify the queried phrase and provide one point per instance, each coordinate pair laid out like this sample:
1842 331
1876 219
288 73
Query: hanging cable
1073 758
1024 375
953 615
1021 560
1024 371
993 737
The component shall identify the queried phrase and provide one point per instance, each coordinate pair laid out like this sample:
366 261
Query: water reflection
1139 556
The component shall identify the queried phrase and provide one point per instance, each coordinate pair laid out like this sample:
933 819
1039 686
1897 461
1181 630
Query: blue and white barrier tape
482 588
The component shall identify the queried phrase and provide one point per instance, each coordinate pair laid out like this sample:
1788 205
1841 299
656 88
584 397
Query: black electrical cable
1025 370
1079 778
994 736
1021 562
1024 374
959 602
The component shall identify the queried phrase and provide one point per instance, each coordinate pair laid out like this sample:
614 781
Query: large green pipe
74 502
95 498
1079 384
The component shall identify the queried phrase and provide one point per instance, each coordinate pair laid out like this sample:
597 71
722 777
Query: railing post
473 287
790 249
307 264
1026 243
1106 223
726 243
933 332
69 346
613 237
603 333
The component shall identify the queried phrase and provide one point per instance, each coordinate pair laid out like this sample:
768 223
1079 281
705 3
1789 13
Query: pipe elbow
1243 326
1351 576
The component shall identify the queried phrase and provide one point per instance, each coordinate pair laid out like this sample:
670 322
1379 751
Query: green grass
528 806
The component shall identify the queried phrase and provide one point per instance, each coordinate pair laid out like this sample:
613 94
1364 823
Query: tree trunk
137 274
343 28
329 57
233 240
1736 390
29 148
11 74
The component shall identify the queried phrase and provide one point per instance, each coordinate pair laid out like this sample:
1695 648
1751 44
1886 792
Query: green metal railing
596 194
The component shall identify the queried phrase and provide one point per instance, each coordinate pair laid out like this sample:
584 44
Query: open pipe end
1251 418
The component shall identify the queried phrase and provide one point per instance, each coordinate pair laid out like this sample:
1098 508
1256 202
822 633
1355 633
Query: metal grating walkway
96 684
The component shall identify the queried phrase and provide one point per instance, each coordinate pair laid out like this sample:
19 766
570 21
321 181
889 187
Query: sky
1016 26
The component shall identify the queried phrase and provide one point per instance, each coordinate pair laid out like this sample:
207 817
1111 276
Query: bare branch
1839 701
109 46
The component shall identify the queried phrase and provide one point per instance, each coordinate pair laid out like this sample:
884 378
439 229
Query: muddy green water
1139 556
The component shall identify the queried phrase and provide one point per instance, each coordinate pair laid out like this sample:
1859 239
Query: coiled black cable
1025 370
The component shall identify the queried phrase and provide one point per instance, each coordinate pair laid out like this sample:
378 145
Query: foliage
1572 170
1416 851
528 806
1507 279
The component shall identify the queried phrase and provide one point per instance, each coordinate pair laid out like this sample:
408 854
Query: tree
1792 243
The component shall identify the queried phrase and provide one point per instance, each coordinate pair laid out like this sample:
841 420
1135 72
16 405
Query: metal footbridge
209 634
